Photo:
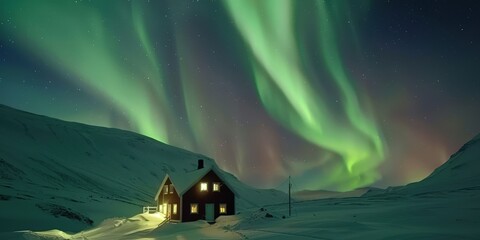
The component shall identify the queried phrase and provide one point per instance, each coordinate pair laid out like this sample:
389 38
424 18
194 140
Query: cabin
197 195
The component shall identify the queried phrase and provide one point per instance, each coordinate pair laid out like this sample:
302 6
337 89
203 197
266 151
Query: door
209 212
164 209
169 210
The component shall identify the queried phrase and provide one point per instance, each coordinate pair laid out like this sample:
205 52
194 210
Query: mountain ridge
457 173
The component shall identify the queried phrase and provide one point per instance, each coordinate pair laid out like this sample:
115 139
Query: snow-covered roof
183 181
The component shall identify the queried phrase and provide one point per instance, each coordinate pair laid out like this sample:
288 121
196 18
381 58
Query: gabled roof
184 181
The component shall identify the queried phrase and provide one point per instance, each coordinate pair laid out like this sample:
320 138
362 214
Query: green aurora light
285 90
125 69
267 88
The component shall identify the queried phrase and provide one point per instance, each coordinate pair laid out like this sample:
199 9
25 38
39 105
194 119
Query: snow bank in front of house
115 228
142 226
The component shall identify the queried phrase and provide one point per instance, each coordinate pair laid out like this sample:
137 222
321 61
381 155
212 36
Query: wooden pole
289 198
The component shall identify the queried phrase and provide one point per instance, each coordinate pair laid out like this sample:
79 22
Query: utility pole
289 198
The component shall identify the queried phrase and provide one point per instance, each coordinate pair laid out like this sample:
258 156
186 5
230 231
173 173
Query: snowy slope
63 174
460 172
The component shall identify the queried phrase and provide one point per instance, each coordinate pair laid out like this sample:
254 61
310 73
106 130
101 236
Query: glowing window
165 208
193 208
216 187
166 189
203 187
174 208
171 188
223 208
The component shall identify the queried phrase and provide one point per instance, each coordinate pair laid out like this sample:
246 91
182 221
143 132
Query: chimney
200 163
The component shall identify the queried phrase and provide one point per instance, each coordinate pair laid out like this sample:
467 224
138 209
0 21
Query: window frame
224 205
218 186
203 184
174 209
193 206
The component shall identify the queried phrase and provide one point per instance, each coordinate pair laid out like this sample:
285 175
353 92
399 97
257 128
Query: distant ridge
460 172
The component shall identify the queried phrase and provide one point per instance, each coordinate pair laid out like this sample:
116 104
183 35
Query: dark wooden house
195 195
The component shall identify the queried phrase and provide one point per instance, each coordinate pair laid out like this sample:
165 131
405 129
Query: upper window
223 208
194 208
171 188
216 187
203 186
166 189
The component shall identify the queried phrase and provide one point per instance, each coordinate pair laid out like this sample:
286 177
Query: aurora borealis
337 94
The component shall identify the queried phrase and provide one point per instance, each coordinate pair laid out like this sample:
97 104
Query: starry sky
337 94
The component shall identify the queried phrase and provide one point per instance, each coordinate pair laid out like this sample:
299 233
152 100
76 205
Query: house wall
170 198
194 195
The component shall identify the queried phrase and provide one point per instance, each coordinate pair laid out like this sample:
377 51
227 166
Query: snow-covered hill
55 173
460 172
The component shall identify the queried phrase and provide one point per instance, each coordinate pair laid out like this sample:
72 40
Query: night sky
337 94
